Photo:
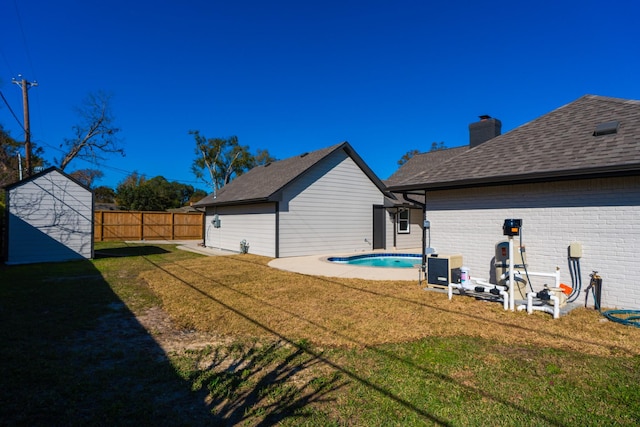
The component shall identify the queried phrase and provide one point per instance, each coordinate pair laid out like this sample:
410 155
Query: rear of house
572 176
316 203
49 219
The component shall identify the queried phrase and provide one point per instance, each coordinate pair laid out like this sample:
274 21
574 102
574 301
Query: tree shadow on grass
73 353
263 384
129 251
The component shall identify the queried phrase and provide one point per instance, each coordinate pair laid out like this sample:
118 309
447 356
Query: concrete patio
314 265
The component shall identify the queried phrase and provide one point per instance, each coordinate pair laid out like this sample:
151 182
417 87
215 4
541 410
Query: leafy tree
104 194
130 194
407 156
197 196
9 172
95 135
156 194
9 167
436 146
220 160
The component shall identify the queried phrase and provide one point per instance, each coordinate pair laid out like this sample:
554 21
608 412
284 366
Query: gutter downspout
277 236
424 230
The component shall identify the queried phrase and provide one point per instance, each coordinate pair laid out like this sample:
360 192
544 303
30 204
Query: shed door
378 227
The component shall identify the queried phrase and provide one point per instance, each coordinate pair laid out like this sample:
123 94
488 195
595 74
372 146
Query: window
403 221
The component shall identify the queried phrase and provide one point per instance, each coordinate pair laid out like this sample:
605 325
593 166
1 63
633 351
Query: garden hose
624 317
632 319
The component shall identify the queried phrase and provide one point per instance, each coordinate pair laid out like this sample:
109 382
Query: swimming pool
380 260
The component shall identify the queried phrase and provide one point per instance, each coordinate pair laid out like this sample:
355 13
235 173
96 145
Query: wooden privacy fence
139 225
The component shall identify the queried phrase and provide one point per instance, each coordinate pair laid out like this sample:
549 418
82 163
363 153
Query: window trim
400 221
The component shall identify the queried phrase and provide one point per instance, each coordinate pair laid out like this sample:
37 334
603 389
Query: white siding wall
50 220
602 214
329 210
403 241
254 223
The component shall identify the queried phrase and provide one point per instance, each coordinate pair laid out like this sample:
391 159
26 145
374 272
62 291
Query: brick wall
602 214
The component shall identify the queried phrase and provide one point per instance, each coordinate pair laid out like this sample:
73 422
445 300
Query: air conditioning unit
443 269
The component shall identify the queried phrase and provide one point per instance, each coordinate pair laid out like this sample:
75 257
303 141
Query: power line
6 60
146 175
104 166
11 111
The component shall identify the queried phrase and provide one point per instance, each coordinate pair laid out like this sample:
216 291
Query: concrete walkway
315 265
185 245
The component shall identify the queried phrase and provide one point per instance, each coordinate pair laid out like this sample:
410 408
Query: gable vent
607 128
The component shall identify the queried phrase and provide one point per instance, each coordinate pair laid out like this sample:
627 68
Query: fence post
102 226
141 225
173 226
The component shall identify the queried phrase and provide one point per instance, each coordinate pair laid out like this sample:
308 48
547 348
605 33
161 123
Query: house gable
265 183
328 209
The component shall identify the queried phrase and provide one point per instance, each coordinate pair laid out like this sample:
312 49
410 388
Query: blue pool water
380 260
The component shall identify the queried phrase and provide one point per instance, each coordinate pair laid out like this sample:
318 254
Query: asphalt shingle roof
423 161
262 183
557 145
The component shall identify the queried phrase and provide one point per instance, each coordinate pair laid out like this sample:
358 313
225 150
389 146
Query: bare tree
95 135
87 176
223 159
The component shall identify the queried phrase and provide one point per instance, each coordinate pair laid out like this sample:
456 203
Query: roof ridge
612 99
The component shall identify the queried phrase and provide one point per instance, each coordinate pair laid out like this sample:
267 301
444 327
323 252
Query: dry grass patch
241 296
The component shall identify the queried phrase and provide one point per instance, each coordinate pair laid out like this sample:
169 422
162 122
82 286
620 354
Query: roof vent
267 164
303 154
607 128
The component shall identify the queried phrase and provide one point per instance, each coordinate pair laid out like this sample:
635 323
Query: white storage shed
49 219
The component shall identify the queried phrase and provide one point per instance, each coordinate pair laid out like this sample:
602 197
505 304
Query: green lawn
74 353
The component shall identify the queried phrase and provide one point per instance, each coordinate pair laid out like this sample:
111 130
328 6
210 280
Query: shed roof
46 172
562 144
264 183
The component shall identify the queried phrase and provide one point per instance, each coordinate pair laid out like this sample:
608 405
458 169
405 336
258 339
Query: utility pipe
555 310
484 283
505 299
555 275
486 288
511 281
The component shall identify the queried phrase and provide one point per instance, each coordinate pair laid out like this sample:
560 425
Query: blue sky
295 76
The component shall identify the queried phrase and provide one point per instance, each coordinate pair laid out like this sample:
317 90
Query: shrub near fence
142 225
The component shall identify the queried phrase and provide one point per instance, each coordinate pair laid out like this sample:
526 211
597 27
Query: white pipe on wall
505 299
511 281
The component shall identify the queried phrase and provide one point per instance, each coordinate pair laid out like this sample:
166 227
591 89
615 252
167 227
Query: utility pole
25 85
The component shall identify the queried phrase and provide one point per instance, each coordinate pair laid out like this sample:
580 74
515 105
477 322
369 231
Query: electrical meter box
575 250
443 269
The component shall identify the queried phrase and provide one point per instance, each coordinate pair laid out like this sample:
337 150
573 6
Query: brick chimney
484 130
